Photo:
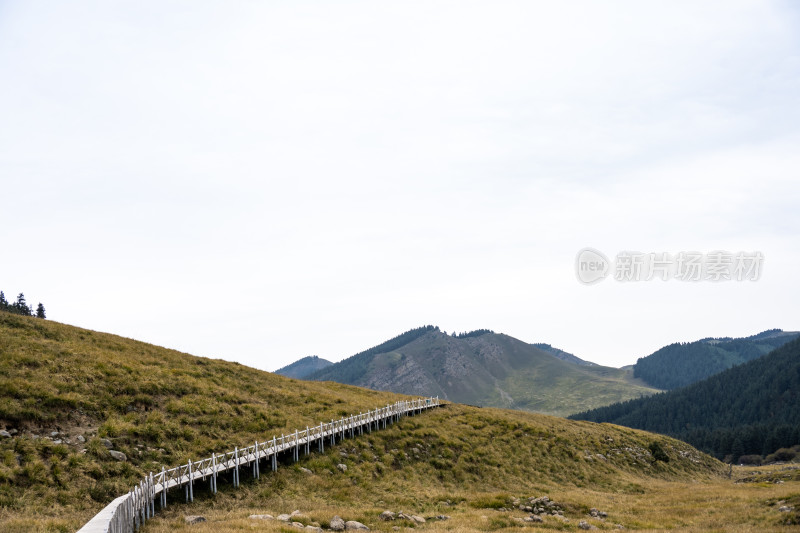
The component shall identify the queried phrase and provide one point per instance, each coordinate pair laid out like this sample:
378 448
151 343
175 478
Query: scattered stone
352 524
785 509
619 526
5 434
107 443
386 516
299 525
442 517
533 518
119 456
316 529
296 512
54 434
261 517
284 517
194 519
337 524
417 519
583 524
342 467
58 441
305 470
13 431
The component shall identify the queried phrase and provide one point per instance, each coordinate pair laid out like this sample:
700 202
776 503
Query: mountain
487 369
561 354
681 364
67 393
752 408
303 367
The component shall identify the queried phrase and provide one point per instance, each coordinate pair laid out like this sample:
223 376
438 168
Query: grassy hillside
161 407
681 364
752 408
304 367
158 406
478 460
487 370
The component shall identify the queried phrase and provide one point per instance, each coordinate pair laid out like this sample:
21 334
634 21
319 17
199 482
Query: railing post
274 454
151 497
191 482
236 467
256 468
163 488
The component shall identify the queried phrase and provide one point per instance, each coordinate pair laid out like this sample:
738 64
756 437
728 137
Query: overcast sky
261 181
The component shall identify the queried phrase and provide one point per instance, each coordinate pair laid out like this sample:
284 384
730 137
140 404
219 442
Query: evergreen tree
3 301
21 305
40 311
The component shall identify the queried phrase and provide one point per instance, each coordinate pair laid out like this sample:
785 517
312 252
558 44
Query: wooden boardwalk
128 512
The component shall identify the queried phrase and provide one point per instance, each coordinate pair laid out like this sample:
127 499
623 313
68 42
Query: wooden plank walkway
128 512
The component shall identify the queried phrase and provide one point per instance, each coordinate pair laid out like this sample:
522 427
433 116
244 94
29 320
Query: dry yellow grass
710 505
162 407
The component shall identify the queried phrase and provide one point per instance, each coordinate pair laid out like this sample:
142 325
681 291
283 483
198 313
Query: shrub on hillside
750 460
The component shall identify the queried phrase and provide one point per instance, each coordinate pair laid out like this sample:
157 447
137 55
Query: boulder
417 519
261 517
80 438
337 524
119 456
299 525
316 529
442 517
284 517
106 443
342 467
5 434
352 525
583 524
305 470
387 516
194 519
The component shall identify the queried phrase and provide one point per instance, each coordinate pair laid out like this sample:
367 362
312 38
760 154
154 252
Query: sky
262 181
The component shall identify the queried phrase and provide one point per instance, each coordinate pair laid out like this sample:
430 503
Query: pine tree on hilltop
21 305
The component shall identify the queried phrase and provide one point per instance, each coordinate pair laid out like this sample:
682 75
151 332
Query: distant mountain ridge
561 354
681 364
303 367
752 408
487 369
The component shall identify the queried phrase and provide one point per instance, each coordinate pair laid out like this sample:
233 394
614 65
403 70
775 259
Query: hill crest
304 367
680 364
489 369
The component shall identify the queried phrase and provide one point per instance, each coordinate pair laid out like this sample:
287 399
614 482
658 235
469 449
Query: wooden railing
127 513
